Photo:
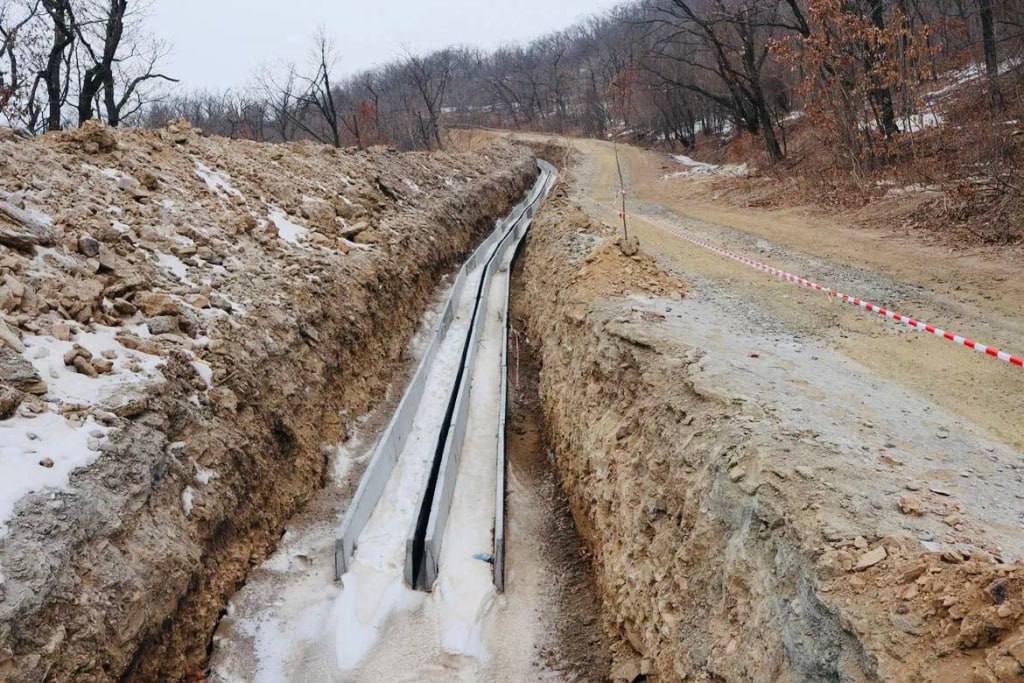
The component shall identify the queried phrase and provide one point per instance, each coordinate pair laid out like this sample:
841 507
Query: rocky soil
746 521
188 323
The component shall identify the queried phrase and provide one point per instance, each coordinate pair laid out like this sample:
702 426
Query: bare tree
319 96
56 74
430 76
280 96
730 43
106 33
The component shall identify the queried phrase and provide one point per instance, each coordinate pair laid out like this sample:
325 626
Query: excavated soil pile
727 545
188 323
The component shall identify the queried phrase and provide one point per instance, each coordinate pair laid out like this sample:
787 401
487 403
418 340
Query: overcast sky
219 44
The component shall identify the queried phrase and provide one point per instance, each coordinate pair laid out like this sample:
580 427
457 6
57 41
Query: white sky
220 44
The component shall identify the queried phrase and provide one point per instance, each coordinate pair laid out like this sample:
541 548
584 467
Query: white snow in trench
374 588
465 585
294 622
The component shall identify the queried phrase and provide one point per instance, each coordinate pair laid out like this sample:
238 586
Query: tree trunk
882 95
110 102
988 35
102 71
771 141
62 38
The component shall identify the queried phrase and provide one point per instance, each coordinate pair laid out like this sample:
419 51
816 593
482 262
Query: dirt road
970 293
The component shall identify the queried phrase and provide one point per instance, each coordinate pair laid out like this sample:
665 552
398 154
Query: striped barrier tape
855 301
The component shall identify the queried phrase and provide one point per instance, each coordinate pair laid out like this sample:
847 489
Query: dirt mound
188 322
605 268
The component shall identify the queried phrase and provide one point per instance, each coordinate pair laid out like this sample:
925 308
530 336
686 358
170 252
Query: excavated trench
292 622
125 576
659 526
541 518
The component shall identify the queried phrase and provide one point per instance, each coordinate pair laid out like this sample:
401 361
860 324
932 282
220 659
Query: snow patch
914 188
286 230
188 500
66 385
204 476
699 168
919 122
205 371
218 182
26 441
173 264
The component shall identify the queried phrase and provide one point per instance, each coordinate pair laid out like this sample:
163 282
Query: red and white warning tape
854 301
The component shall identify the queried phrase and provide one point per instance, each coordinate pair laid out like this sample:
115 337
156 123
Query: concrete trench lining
386 453
423 547
499 494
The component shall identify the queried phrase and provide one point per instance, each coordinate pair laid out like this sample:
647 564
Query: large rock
9 337
163 324
93 137
10 399
88 246
23 229
19 373
157 303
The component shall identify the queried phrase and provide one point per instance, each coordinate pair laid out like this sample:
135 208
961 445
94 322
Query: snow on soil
696 168
66 385
26 442
175 265
187 500
918 122
205 371
64 445
218 182
971 72
286 230
204 476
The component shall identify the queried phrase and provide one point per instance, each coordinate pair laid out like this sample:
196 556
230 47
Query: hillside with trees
839 91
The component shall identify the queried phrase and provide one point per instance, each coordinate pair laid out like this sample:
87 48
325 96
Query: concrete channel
449 412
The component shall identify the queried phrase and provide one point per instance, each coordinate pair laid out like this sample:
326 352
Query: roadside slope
235 304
